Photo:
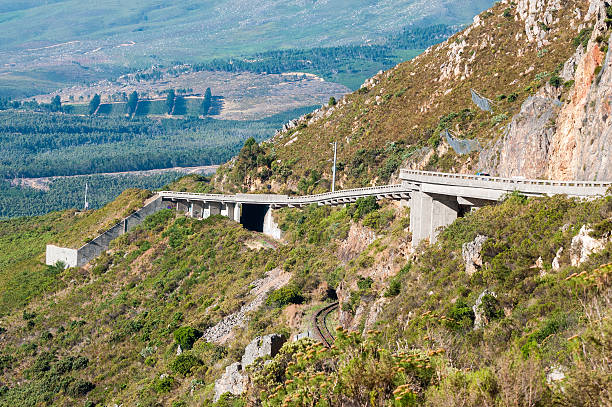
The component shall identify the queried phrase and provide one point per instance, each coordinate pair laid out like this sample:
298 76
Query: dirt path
42 183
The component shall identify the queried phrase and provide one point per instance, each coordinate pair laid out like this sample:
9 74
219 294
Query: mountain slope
108 333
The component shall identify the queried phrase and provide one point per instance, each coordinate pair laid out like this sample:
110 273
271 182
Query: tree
94 103
332 101
207 102
170 101
132 103
56 104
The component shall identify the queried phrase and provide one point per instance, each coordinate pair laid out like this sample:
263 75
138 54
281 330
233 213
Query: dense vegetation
36 144
64 193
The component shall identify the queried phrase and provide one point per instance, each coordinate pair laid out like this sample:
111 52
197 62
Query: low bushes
186 336
185 363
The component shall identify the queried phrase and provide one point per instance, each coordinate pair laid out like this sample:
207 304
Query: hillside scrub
173 277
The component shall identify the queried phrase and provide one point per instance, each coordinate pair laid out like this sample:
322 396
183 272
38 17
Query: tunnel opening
331 294
463 210
253 215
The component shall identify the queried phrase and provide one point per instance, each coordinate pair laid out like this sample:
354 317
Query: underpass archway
253 215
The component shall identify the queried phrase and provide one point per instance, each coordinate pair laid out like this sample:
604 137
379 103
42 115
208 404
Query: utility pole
86 203
335 143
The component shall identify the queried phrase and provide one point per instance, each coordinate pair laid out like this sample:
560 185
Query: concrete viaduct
435 199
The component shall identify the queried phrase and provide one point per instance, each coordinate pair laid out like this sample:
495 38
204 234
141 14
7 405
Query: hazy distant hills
63 41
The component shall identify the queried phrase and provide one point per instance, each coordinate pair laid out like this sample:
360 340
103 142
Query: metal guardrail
288 200
518 181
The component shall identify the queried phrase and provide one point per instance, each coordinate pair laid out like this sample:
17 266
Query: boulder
233 381
471 254
583 245
555 263
262 346
480 319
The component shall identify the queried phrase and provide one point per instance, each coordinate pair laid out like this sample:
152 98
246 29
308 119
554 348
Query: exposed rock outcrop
262 346
359 237
471 254
556 266
235 379
526 144
583 245
555 139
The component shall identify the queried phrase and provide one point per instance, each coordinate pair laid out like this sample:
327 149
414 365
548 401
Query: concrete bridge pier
429 213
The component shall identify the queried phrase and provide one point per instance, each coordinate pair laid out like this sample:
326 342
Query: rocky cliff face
564 134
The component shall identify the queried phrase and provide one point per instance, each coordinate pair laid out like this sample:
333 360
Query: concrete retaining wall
63 254
270 228
89 251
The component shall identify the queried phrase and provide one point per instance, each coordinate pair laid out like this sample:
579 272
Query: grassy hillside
104 334
399 117
23 275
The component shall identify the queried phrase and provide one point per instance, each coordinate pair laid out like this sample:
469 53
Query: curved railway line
321 331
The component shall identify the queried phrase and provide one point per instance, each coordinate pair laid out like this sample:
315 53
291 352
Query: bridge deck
397 191
461 185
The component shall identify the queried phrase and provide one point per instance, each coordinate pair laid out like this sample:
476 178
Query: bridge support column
197 209
237 212
430 212
215 208
229 210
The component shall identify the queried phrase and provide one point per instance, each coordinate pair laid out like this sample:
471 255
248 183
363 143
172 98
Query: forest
64 193
46 144
326 61
51 144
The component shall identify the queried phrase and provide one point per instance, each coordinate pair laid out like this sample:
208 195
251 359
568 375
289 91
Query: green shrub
363 206
434 141
461 315
79 388
184 363
490 306
284 296
364 283
601 229
395 286
229 400
512 97
186 336
163 384
583 37
555 80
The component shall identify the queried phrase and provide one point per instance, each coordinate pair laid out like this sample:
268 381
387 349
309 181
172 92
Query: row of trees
67 193
172 100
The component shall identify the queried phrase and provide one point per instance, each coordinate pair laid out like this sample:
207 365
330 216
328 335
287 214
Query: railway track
320 327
